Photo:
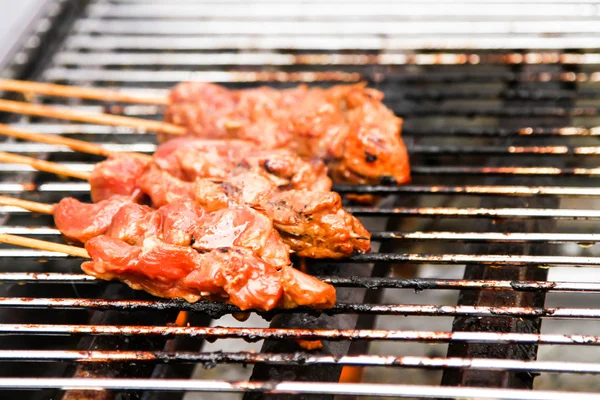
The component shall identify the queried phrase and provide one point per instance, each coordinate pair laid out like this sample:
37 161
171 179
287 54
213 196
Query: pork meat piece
300 289
249 281
346 126
287 165
188 158
82 221
179 220
208 117
242 227
117 176
315 225
162 187
133 223
232 274
155 267
372 150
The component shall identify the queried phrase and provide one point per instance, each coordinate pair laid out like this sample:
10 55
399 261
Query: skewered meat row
312 223
347 126
181 251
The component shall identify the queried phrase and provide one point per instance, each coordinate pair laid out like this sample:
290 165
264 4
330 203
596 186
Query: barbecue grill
475 258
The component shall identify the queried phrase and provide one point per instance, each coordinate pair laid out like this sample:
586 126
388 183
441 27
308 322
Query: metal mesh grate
502 131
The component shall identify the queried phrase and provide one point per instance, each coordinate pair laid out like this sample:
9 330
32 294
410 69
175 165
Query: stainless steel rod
357 389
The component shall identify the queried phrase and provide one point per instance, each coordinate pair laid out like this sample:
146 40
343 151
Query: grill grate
501 128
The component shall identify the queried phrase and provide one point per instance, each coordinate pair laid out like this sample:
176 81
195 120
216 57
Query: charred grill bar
501 133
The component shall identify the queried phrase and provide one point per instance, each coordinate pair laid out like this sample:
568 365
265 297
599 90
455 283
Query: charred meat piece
248 281
294 172
189 158
238 174
346 126
315 225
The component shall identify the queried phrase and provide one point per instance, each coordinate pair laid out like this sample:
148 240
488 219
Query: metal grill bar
419 284
166 77
331 58
530 132
255 334
297 359
461 10
446 212
487 259
58 187
387 235
325 42
405 391
217 310
148 147
452 212
415 170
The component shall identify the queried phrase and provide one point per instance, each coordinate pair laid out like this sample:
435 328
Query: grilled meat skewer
346 126
274 182
180 251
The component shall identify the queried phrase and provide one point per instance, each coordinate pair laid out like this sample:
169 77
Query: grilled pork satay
315 224
243 257
239 258
346 126
188 159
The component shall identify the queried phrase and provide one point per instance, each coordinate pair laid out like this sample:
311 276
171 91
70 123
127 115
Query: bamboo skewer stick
73 144
42 165
27 205
94 118
43 245
51 89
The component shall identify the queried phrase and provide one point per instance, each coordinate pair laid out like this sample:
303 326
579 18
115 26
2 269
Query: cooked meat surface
314 224
238 174
347 126
221 174
117 176
82 221
188 159
180 251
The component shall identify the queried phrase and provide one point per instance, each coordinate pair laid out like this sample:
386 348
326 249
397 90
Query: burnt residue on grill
506 379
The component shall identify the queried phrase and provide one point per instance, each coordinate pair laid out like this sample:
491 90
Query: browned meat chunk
346 126
242 227
236 255
314 224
